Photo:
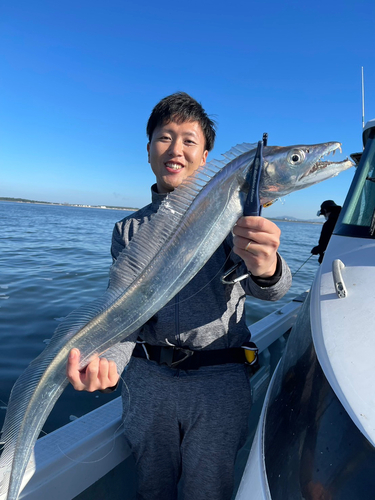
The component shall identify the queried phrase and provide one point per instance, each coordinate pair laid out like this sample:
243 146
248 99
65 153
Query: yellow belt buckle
251 352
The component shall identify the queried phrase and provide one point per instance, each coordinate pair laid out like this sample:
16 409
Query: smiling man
175 152
187 394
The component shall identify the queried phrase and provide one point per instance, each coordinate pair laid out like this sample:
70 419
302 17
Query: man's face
175 152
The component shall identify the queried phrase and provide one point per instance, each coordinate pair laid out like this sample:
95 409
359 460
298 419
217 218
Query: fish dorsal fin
151 237
239 150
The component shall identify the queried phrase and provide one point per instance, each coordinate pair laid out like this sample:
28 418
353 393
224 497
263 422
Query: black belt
186 359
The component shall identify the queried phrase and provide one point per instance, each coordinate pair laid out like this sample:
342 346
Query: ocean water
55 258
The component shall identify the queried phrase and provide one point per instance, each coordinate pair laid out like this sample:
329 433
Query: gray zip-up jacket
206 314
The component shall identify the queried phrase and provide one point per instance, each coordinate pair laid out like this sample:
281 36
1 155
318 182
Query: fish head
288 169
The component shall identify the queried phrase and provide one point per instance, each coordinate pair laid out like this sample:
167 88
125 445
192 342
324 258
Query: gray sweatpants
185 426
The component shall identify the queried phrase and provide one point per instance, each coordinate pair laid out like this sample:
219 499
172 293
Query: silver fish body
160 260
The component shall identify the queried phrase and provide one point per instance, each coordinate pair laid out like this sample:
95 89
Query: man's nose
175 148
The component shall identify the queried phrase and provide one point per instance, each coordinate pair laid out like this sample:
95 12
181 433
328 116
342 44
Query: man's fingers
72 370
247 226
72 366
103 372
245 244
256 241
85 379
99 374
92 370
108 376
113 375
257 235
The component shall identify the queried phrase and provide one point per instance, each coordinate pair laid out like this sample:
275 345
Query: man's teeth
174 166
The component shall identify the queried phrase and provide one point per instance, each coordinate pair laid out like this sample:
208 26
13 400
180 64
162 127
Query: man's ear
204 158
148 152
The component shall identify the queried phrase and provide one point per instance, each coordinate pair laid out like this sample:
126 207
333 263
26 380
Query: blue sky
79 79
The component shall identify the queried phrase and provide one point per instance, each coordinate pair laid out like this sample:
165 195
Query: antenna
363 101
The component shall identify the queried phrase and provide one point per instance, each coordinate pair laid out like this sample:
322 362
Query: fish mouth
322 163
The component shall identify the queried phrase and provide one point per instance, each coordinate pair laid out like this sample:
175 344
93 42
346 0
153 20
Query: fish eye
296 156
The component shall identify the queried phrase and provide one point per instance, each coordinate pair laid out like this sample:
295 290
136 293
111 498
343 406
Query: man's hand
256 241
99 374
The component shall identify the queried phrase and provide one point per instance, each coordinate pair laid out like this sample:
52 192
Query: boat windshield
357 217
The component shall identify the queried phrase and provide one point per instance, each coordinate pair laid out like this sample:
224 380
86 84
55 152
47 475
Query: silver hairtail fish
160 260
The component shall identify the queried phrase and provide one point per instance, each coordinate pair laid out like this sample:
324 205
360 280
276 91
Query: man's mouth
174 166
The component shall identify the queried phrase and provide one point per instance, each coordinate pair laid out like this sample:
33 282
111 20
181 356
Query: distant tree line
4 198
23 200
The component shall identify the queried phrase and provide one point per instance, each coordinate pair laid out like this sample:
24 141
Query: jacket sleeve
121 353
268 289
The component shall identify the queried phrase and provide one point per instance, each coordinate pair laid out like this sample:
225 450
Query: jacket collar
156 197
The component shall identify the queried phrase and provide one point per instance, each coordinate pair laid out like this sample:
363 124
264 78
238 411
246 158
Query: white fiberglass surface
343 328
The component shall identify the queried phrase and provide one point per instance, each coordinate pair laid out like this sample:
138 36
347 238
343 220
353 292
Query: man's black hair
180 108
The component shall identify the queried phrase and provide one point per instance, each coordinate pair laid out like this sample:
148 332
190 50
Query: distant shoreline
34 202
299 221
131 209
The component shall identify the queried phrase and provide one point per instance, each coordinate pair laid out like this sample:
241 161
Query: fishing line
214 277
204 286
91 461
113 440
308 258
210 281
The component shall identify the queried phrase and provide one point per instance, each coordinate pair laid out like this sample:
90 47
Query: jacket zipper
177 318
